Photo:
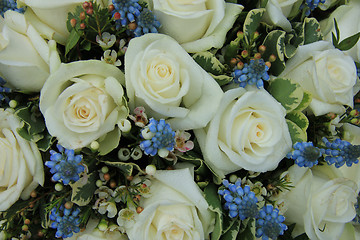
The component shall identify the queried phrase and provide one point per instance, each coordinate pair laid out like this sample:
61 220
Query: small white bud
94 145
99 183
136 153
150 170
163 152
59 187
124 154
233 178
103 225
13 103
124 125
104 169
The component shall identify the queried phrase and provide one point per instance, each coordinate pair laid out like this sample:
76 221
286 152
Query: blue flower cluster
311 5
66 221
242 202
305 154
9 5
341 152
4 98
131 12
239 201
253 73
269 224
162 137
65 165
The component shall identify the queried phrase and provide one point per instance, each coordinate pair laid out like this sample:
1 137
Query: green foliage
275 44
252 22
345 44
213 199
296 133
125 167
83 189
247 230
209 62
312 31
233 231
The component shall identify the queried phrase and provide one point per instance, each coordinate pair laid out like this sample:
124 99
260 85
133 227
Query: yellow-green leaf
83 190
305 102
299 119
296 133
209 62
252 22
126 167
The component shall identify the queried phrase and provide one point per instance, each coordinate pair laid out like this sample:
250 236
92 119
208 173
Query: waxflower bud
240 34
25 228
85 5
59 187
82 16
13 103
103 225
124 154
132 26
256 34
68 205
104 169
82 26
139 209
94 145
240 65
233 178
262 49
111 7
99 183
233 61
73 22
257 55
244 54
27 221
354 113
272 58
117 16
268 64
90 11
150 170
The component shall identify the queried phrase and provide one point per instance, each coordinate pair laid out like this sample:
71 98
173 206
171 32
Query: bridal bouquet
180 119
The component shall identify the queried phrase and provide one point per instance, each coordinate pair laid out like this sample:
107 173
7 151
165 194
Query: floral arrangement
169 119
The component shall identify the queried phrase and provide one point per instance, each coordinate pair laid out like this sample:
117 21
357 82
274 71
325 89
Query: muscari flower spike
239 201
341 152
65 165
253 73
269 224
4 98
66 221
311 4
161 137
305 154
129 10
146 23
9 5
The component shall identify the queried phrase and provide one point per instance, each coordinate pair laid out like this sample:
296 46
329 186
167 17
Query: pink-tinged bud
233 61
240 34
113 184
139 209
111 7
240 65
117 16
90 5
82 26
262 49
268 64
33 194
85 5
272 58
354 113
27 221
73 22
90 11
25 228
132 26
256 34
244 54
68 205
257 55
82 16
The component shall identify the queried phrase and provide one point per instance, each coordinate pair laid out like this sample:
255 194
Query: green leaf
312 31
34 123
209 62
337 31
45 143
213 199
24 133
296 133
290 50
232 50
232 233
110 141
302 237
252 22
299 119
287 92
71 41
86 45
126 167
348 42
263 3
275 44
222 79
200 167
83 189
249 232
305 102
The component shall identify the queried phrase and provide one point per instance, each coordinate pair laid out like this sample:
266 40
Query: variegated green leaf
275 44
126 167
222 79
232 50
252 22
290 50
233 232
248 232
83 190
287 92
213 199
296 133
306 100
312 31
299 119
35 123
209 62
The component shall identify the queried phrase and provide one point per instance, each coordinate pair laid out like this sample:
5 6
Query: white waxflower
106 40
110 58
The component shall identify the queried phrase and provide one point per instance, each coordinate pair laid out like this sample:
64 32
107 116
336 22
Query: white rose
248 131
348 20
83 101
196 24
277 12
162 77
321 203
327 73
176 209
49 16
24 55
21 164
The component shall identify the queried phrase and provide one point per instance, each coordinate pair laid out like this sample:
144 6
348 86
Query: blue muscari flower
356 219
163 137
129 10
66 221
4 90
269 224
239 201
305 154
341 152
65 165
253 73
9 5
311 5
146 23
